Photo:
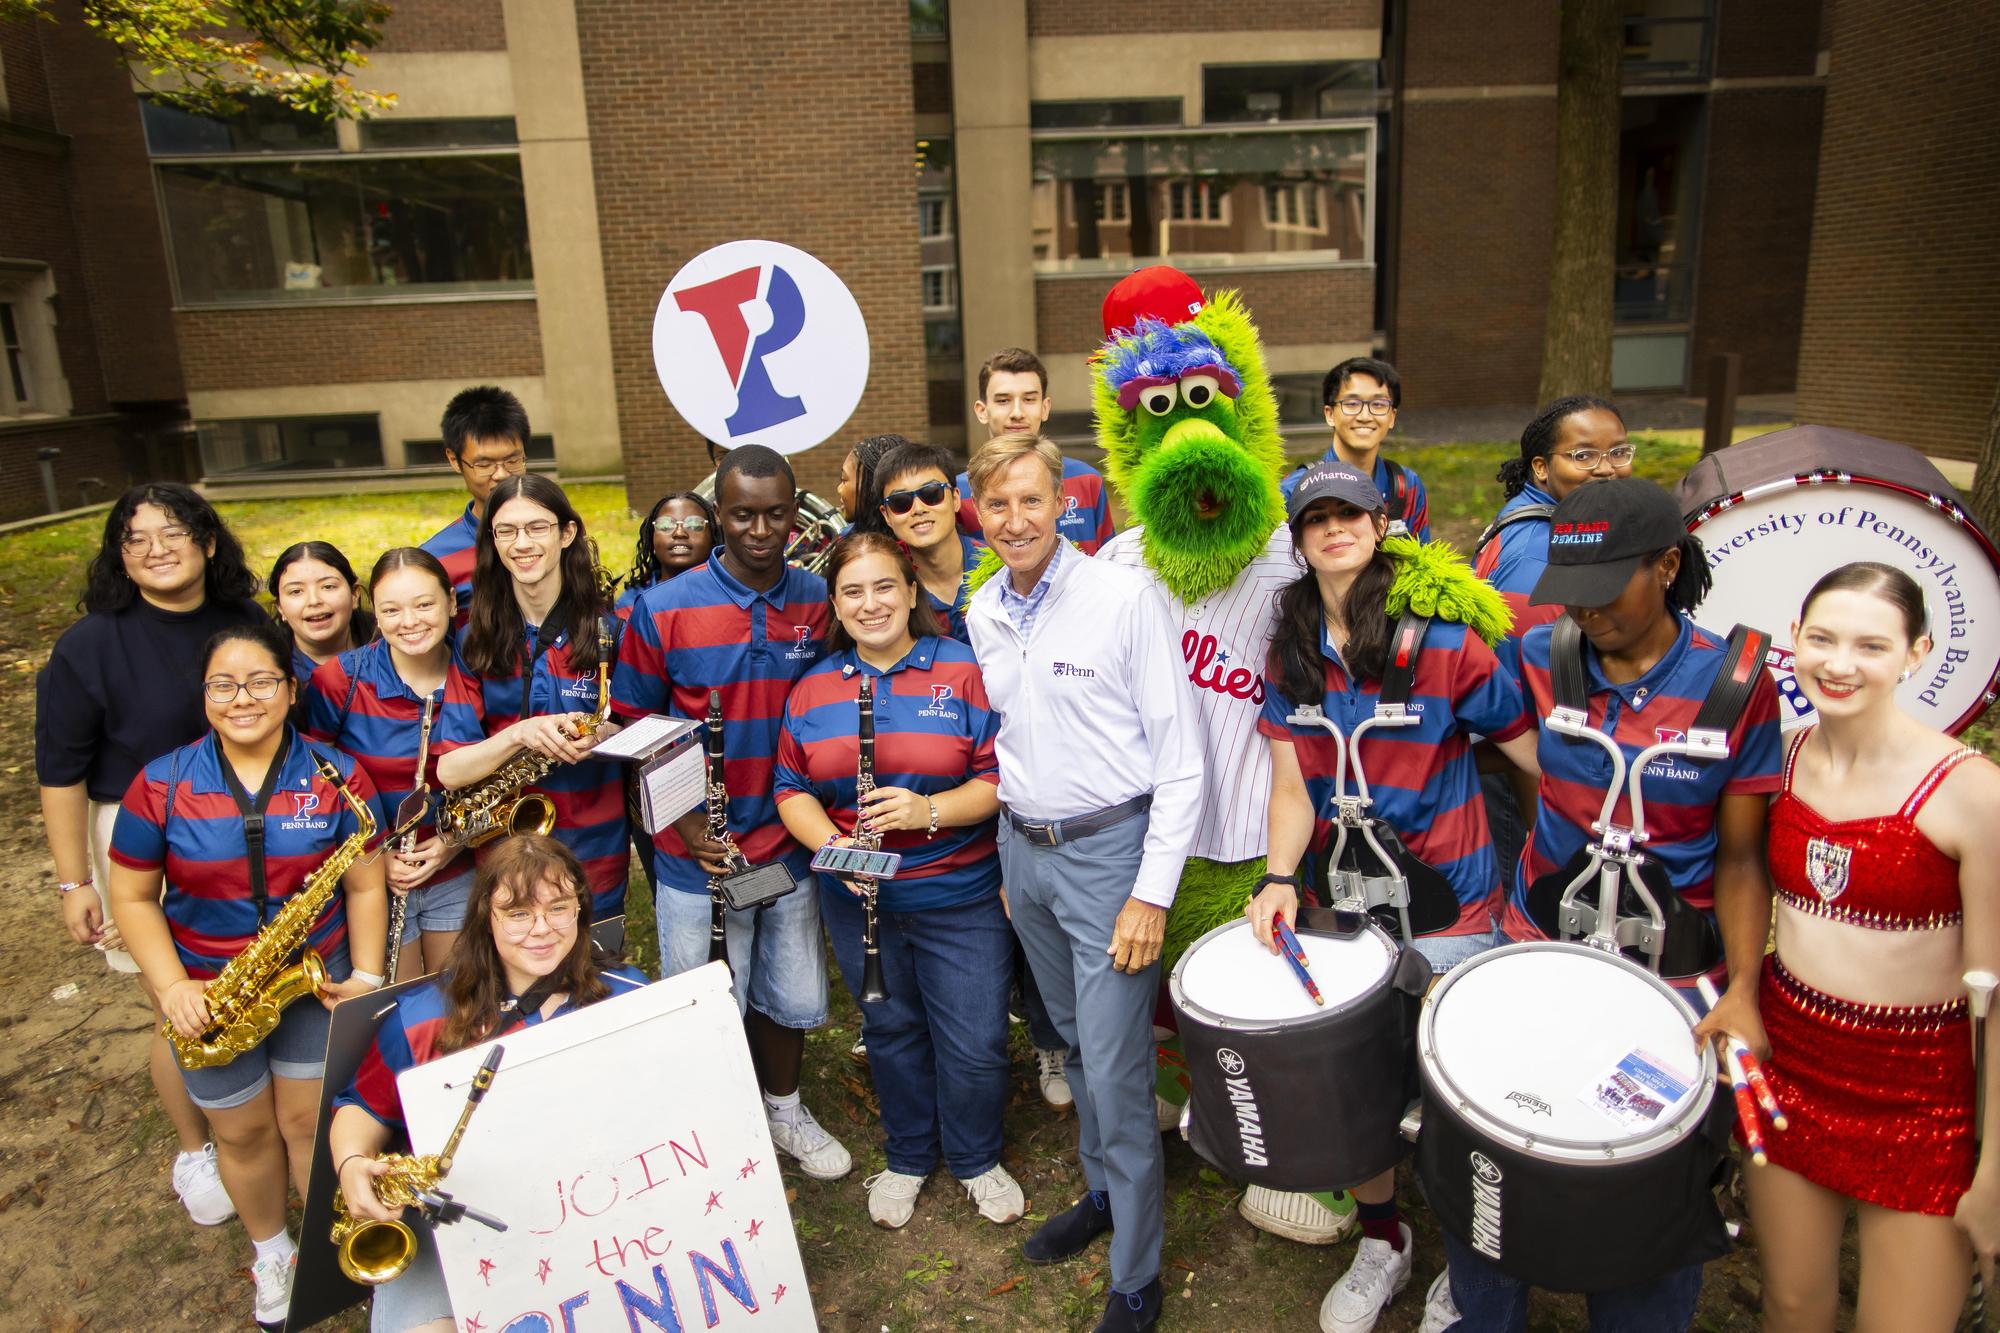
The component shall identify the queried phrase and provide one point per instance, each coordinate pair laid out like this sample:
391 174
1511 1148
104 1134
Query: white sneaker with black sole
817 1152
200 1186
1378 1273
273 1277
1440 1310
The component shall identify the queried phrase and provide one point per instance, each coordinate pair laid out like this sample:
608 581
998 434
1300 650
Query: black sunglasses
931 493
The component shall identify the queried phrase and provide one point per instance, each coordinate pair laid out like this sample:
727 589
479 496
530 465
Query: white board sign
757 342
625 1147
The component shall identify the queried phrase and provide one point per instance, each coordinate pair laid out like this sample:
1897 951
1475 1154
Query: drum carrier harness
1396 884
1643 917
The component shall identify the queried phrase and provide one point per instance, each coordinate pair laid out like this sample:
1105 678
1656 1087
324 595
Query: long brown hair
494 628
474 982
923 620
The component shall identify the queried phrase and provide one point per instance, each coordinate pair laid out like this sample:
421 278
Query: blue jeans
1489 1301
937 1047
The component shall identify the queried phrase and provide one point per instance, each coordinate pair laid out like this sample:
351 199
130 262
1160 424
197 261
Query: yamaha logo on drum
1231 1062
1243 1101
1485 1204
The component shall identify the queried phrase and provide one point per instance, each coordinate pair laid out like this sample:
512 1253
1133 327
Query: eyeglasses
1620 455
517 922
488 467
695 524
932 493
537 531
223 690
170 539
1375 407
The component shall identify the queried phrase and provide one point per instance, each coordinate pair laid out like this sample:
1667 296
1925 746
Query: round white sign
759 343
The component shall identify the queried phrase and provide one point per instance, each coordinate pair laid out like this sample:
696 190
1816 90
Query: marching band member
1887 892
317 599
937 1046
1331 648
860 500
186 827
1358 399
534 642
919 504
485 440
677 536
749 625
122 686
1625 568
524 958
1100 756
1014 401
371 701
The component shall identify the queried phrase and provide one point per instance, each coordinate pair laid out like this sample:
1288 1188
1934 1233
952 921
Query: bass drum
1777 512
1283 1092
818 525
1571 1133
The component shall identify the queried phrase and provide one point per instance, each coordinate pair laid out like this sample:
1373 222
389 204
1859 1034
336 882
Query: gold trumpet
372 1252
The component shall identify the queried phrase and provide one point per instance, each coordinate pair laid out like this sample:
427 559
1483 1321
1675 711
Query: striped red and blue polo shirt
952 614
1512 563
456 545
1086 515
704 630
357 702
1422 778
201 850
1681 794
409 1037
589 796
934 732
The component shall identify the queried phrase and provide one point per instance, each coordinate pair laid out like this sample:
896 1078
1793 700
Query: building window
430 453
31 379
262 211
940 289
17 356
1288 195
933 218
1666 41
1325 90
1104 115
929 18
295 444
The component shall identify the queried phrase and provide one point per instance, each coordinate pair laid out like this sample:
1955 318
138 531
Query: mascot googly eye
1199 390
1159 399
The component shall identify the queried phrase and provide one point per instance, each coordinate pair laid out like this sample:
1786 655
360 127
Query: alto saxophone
372 1252
249 995
499 804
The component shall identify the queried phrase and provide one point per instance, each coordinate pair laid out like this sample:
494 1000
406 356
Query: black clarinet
872 987
718 829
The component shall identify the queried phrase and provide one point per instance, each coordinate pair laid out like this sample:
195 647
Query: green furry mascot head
1190 436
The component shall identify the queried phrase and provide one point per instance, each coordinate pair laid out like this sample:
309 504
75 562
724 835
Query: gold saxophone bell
372 1253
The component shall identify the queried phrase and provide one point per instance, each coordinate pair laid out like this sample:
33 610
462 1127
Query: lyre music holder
1354 889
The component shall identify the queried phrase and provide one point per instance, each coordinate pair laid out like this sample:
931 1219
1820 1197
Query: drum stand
1353 890
1615 851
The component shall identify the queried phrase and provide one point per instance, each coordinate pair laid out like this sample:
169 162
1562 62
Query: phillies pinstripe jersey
934 731
210 912
704 630
589 796
1225 639
380 723
456 545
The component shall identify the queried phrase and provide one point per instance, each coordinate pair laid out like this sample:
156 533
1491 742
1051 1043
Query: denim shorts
437 907
1444 952
296 1049
417 1296
778 953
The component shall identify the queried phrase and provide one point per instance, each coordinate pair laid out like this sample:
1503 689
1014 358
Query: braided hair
1538 438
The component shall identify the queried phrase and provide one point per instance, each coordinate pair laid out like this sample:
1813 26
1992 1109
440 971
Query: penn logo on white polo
1243 1100
1485 1204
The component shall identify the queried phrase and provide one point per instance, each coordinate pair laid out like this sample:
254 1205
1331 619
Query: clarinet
718 829
872 988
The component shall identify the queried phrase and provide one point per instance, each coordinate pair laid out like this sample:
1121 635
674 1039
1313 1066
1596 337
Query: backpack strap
346 707
1729 695
1399 674
1568 681
173 781
1508 520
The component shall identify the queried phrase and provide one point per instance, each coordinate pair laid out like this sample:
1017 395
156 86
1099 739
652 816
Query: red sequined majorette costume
1880 1097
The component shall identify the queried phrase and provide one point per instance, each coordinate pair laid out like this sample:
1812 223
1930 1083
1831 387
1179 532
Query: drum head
1227 978
1561 1051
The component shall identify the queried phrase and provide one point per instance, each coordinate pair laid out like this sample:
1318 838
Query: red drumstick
1746 1115
1753 1069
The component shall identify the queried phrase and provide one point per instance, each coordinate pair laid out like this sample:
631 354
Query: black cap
1597 537
1331 477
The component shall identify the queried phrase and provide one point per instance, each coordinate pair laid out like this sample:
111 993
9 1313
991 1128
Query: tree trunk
1986 482
1576 344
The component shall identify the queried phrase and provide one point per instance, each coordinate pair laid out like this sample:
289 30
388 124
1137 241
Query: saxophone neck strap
250 809
522 1008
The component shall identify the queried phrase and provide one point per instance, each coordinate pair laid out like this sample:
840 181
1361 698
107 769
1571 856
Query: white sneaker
274 1288
200 1186
1298 1217
1440 1310
1049 1066
1166 1116
1378 1272
858 1052
892 1197
997 1195
818 1153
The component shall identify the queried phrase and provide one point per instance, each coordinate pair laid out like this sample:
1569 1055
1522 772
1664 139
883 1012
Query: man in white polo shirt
1100 785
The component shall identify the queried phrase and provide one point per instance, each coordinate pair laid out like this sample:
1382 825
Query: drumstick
1739 1083
1753 1068
1295 954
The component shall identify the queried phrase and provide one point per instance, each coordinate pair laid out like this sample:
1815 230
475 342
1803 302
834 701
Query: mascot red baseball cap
1157 292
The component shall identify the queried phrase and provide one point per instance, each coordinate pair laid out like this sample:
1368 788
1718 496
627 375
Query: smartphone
855 863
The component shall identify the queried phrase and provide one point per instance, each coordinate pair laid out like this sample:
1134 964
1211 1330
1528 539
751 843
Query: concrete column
562 224
993 168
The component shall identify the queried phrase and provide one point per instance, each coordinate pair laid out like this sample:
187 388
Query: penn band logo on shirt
304 803
1665 767
1572 533
1060 669
1069 505
801 643
940 696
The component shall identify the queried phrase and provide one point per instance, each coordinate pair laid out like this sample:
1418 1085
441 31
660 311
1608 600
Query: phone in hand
857 863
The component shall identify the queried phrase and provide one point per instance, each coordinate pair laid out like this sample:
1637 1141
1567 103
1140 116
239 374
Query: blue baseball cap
1332 479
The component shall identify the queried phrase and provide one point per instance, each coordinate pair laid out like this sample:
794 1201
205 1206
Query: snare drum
1553 1142
1285 1093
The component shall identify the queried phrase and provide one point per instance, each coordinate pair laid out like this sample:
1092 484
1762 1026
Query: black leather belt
1066 830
